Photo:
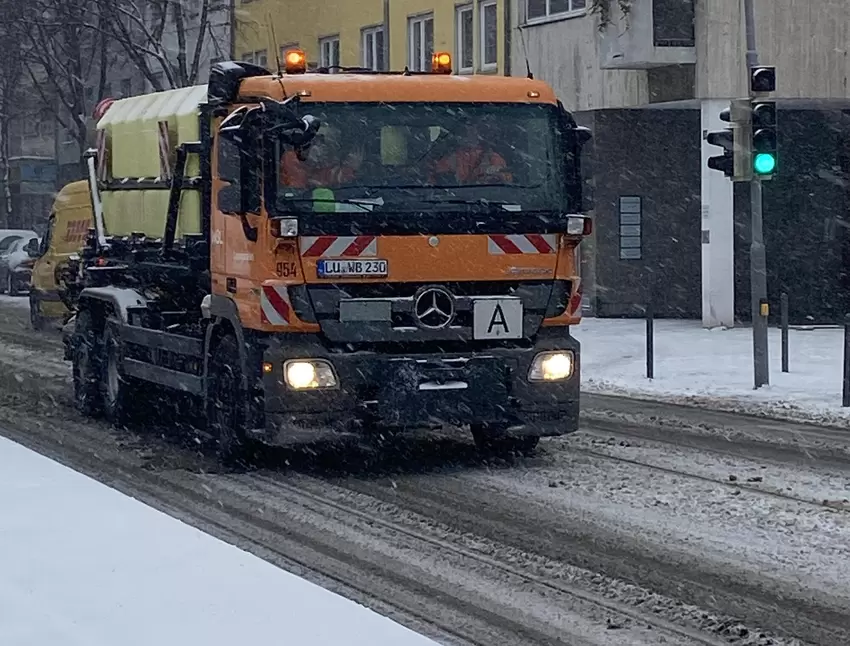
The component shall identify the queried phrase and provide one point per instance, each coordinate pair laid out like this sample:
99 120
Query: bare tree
11 72
166 40
65 48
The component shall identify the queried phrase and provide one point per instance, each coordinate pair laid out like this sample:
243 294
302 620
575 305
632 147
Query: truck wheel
114 387
86 357
490 440
227 399
36 317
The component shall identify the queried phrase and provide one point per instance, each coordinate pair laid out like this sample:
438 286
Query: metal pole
387 65
783 306
845 396
650 341
758 257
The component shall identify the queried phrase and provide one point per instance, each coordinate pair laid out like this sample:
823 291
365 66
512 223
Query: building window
30 128
464 44
539 9
329 52
489 37
260 58
420 43
372 45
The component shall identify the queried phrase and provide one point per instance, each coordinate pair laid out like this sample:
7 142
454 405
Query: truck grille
384 312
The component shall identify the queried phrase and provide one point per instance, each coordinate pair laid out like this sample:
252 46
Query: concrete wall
806 215
806 220
806 40
630 159
564 53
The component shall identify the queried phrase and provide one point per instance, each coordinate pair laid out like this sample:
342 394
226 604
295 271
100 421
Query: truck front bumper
376 392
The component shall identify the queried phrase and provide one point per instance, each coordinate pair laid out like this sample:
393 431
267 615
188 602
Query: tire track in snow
731 484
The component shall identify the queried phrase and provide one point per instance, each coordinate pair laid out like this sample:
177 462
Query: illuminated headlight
551 366
309 374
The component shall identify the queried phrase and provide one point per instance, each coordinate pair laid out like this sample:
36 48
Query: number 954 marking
287 270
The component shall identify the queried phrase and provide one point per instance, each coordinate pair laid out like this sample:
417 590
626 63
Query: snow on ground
800 546
85 564
715 367
14 301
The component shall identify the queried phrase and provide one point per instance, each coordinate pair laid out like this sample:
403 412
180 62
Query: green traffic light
764 163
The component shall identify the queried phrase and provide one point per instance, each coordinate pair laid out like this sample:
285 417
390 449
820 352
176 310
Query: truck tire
491 441
86 357
36 317
227 400
114 387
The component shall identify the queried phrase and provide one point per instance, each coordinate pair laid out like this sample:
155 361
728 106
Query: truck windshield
410 155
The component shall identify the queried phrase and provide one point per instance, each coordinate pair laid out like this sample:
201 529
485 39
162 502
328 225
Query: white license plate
497 318
337 268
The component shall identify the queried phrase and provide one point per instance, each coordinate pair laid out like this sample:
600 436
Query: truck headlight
551 366
309 374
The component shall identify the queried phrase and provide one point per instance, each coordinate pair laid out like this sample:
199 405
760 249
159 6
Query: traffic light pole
758 256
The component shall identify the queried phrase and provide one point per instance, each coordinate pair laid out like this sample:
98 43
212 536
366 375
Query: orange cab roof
430 88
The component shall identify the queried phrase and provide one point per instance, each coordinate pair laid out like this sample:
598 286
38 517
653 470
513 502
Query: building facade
650 82
377 34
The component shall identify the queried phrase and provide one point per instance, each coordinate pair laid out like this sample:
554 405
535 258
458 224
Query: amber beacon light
295 62
441 63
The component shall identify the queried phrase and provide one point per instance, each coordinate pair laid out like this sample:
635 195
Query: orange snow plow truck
312 255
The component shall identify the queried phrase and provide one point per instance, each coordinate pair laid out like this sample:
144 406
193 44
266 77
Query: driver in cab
320 164
472 162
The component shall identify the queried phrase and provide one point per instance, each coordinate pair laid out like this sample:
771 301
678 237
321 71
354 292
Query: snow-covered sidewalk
83 564
715 367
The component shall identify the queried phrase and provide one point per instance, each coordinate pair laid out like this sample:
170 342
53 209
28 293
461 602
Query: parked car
16 265
8 236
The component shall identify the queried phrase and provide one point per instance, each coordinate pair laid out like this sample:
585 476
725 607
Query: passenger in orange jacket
321 165
473 162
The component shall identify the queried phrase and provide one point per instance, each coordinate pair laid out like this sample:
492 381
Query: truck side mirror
32 248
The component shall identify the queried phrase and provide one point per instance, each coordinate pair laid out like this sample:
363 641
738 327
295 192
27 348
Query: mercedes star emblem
434 308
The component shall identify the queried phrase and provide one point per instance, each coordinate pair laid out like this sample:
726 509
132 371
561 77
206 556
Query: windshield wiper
365 204
440 187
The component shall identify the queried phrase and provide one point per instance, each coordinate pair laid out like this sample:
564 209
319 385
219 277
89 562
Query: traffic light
725 138
736 160
765 141
762 80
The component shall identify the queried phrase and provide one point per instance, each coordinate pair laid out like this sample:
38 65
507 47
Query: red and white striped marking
574 308
101 155
164 150
275 304
339 246
529 243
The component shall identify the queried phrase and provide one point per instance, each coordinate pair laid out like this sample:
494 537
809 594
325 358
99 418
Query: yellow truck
52 295
337 255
